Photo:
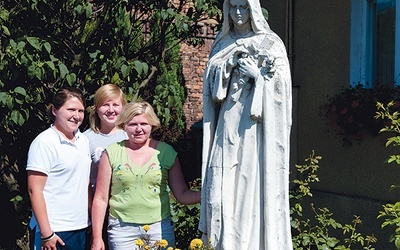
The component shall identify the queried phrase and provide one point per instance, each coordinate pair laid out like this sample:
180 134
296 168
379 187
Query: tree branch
145 81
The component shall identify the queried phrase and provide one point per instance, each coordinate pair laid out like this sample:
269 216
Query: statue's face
239 12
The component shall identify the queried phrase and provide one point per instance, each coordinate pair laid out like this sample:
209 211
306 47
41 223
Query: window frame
362 52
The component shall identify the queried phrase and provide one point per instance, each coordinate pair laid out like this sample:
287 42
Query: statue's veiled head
248 10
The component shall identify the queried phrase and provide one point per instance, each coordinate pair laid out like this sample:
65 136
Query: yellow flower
146 228
139 242
170 248
161 243
147 247
196 244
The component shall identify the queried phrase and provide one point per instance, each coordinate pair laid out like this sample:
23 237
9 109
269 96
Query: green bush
391 211
186 219
318 232
45 45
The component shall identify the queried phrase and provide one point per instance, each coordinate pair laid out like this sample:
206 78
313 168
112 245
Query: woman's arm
36 182
100 201
179 187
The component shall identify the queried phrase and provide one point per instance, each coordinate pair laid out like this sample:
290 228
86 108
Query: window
375 43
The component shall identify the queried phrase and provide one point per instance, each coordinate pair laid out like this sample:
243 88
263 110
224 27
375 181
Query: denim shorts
123 236
74 240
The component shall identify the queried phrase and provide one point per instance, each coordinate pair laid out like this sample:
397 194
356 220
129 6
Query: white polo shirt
67 166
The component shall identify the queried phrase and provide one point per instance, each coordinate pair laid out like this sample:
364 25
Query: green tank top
139 194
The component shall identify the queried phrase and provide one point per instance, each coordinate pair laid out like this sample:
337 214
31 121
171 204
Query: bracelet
51 236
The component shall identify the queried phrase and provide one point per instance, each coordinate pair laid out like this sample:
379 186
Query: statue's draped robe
245 164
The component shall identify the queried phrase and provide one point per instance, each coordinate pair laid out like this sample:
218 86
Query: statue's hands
248 67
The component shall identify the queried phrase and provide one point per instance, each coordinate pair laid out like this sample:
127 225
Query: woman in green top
132 179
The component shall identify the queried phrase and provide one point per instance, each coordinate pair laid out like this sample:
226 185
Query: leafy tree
47 44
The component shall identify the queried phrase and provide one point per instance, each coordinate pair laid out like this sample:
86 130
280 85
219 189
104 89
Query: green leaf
63 70
397 242
138 67
164 15
47 46
94 54
9 101
3 97
4 14
34 42
167 113
21 46
51 65
6 31
31 71
145 68
20 90
17 198
39 73
170 11
53 59
17 117
79 9
89 10
116 78
71 79
265 13
125 70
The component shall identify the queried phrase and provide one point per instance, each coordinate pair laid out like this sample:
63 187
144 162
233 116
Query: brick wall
194 61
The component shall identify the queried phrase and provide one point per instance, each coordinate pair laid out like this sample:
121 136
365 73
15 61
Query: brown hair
63 95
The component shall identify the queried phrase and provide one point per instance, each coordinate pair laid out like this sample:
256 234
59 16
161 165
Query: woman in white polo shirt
58 170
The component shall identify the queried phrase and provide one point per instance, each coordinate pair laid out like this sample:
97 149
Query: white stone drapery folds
246 126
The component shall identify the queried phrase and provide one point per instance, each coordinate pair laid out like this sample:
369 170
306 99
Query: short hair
63 95
104 93
134 108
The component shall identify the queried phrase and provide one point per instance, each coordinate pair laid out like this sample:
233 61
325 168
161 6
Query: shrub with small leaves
317 232
186 219
391 212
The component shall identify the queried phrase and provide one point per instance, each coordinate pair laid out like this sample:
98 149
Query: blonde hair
103 94
134 108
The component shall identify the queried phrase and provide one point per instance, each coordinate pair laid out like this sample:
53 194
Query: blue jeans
123 236
74 240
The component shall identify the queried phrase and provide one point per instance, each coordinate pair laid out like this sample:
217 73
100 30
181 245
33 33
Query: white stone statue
247 121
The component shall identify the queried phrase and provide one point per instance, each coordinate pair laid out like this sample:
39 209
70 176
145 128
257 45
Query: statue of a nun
247 121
